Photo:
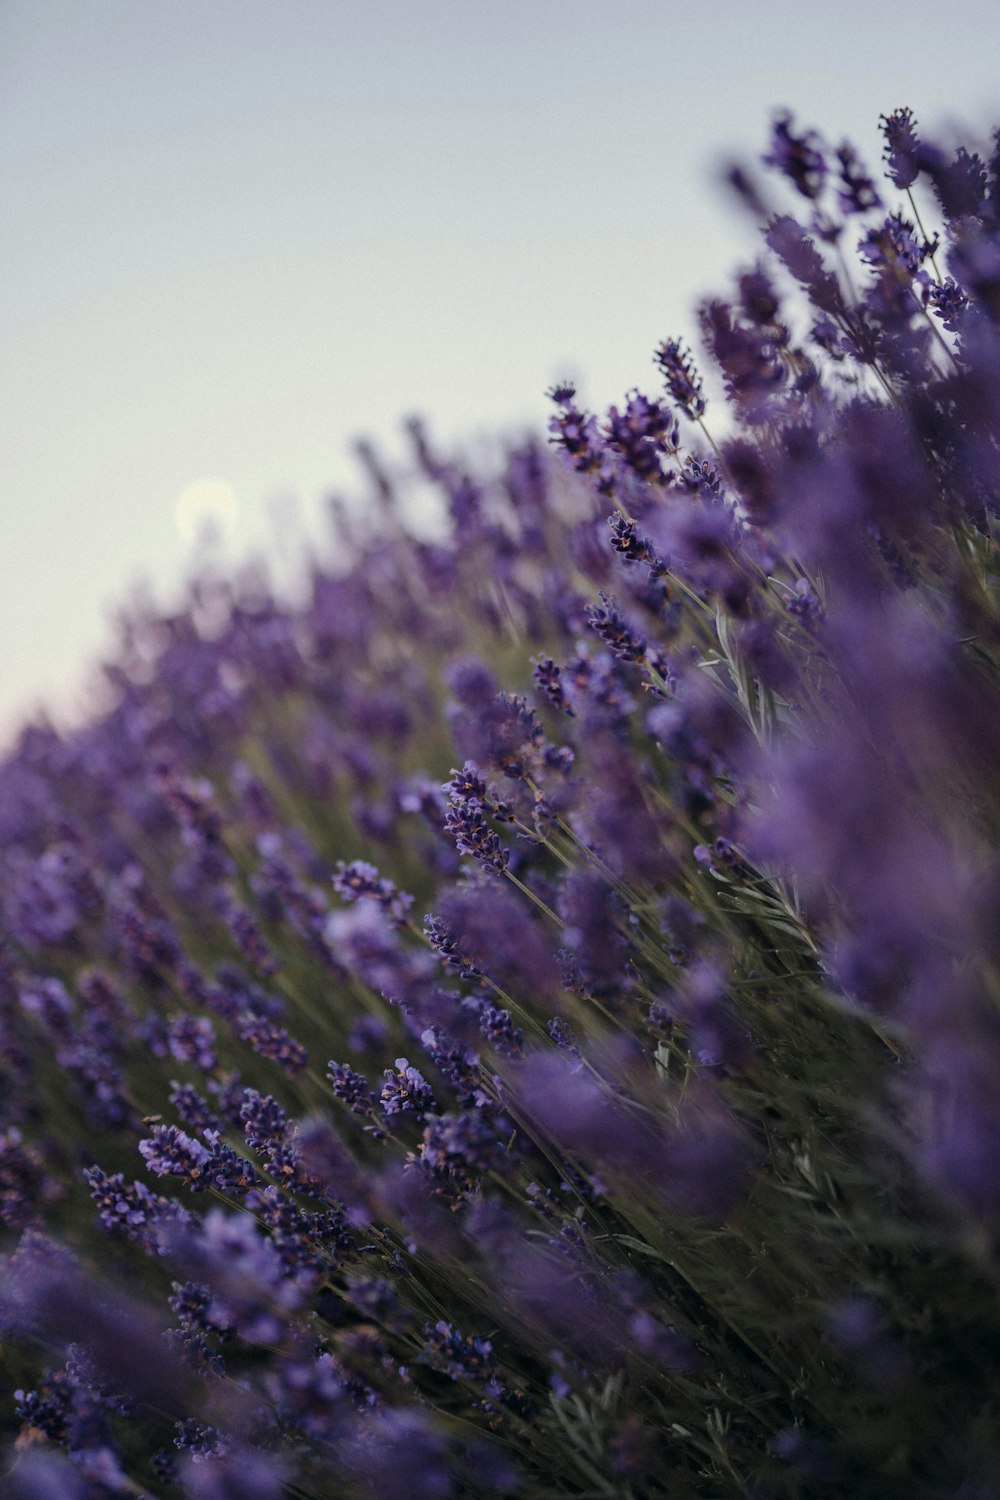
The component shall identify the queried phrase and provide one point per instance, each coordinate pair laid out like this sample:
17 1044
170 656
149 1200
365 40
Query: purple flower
169 1152
611 625
901 148
251 1290
857 193
577 433
193 1109
360 879
796 251
643 434
799 157
273 1042
24 1183
548 678
458 1149
447 1349
682 379
472 683
352 1088
949 302
249 939
505 734
595 924
366 940
192 1039
497 935
405 1090
466 822
132 1210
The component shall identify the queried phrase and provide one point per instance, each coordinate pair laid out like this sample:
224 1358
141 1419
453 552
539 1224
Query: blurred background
237 235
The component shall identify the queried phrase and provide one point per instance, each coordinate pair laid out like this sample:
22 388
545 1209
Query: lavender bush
525 1023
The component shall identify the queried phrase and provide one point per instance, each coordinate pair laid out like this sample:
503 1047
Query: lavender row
524 1020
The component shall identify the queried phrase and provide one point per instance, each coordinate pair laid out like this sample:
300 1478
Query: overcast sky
237 234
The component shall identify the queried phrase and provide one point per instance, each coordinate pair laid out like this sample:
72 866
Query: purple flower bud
360 879
799 157
797 252
192 1039
458 1149
682 379
170 1153
405 1090
643 434
901 146
857 193
613 628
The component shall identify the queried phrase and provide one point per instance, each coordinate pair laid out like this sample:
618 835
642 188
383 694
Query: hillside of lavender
523 1019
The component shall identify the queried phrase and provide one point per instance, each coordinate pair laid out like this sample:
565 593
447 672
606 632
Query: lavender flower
901 148
799 157
459 1149
359 879
682 380
610 624
405 1090
169 1152
672 1168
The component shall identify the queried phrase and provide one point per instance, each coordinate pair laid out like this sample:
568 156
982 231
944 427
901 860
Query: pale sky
237 234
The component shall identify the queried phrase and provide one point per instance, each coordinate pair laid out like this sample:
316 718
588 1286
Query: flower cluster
630 852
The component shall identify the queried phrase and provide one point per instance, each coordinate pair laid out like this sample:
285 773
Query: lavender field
524 1022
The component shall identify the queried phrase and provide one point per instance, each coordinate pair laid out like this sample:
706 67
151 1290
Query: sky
237 235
